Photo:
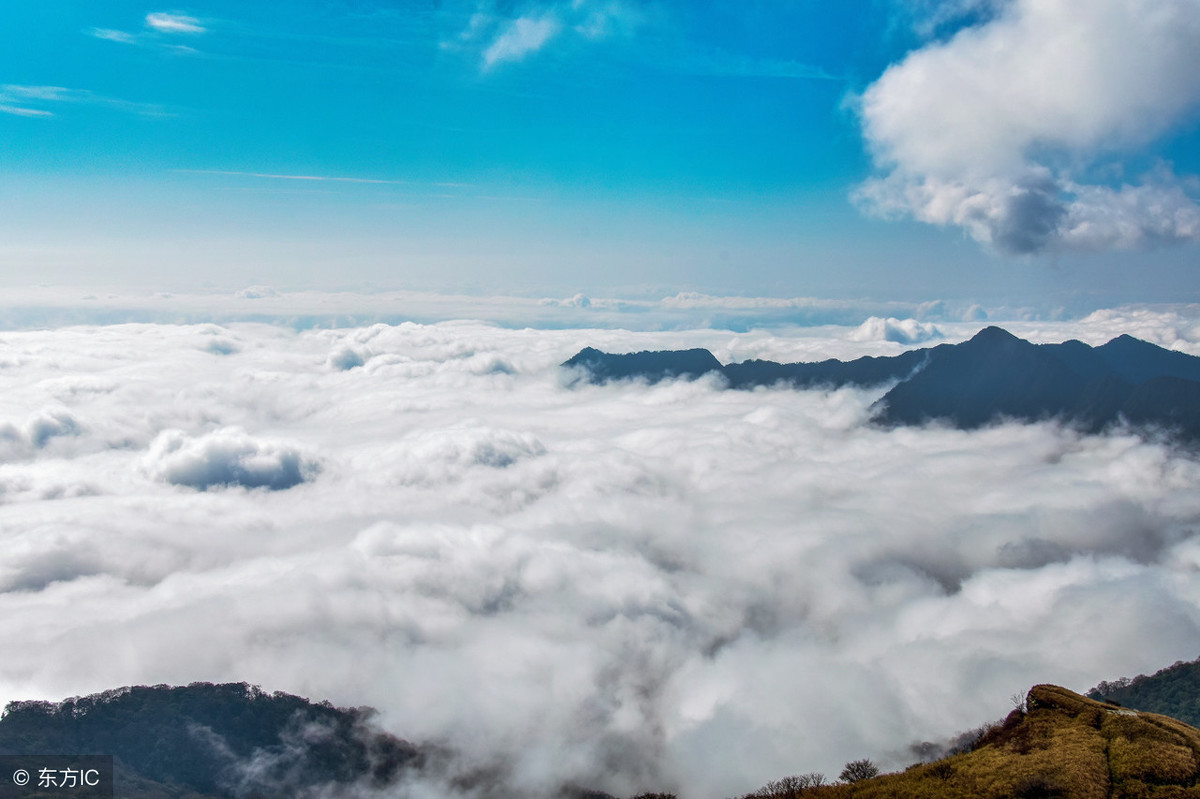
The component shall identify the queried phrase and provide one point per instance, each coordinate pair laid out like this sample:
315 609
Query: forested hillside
1173 691
211 740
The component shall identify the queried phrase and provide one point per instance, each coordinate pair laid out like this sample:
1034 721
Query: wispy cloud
36 92
28 101
438 189
114 36
277 176
498 38
501 40
174 23
320 178
519 38
160 30
22 111
942 18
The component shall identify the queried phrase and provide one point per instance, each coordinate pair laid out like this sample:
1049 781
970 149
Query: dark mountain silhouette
969 384
232 741
653 366
993 376
866 371
601 367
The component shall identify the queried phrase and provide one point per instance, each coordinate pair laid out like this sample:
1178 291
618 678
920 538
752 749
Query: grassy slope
1066 746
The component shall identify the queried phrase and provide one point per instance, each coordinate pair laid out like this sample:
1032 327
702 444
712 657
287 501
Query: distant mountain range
993 376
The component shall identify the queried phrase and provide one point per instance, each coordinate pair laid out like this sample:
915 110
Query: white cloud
36 92
173 23
111 35
256 292
931 17
990 130
21 111
16 100
47 307
36 433
159 32
346 358
519 38
499 38
628 587
901 331
25 96
579 300
226 458
45 426
448 455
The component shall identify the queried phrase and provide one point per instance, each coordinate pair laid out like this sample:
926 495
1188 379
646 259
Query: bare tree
789 787
857 770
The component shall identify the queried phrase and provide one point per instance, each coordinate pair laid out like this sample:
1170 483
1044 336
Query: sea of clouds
625 587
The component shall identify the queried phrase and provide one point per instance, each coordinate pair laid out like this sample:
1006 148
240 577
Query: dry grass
1064 746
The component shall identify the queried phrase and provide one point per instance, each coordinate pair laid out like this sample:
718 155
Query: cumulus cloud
45 426
218 346
998 129
227 457
36 432
901 331
624 587
345 359
437 456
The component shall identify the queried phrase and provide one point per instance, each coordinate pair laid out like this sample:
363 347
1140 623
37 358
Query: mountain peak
652 366
994 335
993 331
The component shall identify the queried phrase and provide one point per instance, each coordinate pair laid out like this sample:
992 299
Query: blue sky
606 146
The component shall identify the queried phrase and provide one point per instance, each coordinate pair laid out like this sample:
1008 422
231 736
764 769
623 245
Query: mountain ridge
992 376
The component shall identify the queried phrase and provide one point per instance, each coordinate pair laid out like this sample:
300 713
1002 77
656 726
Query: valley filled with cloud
625 587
